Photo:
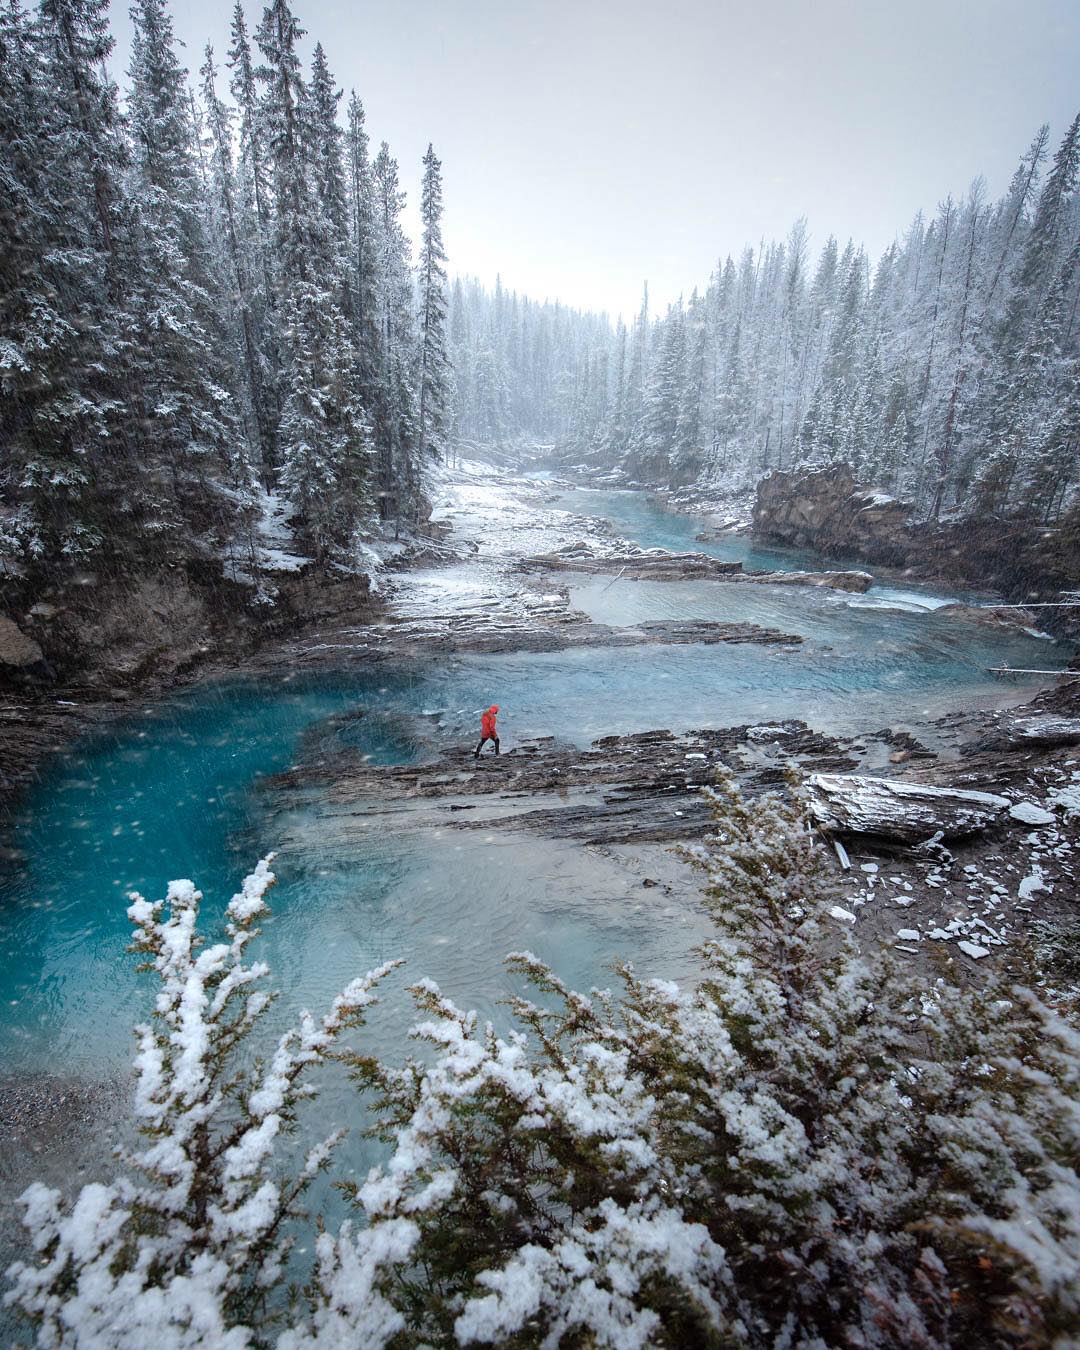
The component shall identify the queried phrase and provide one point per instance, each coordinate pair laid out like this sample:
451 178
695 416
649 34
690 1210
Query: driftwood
891 809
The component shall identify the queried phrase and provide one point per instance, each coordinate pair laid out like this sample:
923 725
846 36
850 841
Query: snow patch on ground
1067 798
1030 814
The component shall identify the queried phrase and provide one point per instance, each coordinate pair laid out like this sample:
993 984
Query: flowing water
179 790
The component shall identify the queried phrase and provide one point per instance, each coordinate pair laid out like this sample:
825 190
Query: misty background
588 146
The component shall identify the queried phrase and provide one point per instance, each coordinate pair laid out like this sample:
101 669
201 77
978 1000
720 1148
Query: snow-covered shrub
803 1150
185 1250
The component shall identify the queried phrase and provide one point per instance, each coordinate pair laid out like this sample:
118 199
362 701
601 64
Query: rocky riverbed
977 889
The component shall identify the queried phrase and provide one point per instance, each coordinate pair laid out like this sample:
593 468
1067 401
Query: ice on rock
1033 882
1030 814
838 913
908 934
972 949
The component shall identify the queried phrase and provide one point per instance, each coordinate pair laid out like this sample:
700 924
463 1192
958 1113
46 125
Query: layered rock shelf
644 786
482 635
657 564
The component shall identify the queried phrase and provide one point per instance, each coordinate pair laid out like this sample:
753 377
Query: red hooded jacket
487 722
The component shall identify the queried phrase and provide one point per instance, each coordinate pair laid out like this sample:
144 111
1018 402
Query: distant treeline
948 373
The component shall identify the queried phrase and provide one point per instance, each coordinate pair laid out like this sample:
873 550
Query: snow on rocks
1030 814
893 809
1034 881
1047 730
973 950
1067 798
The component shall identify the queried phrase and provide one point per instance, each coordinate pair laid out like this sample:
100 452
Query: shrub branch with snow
803 1150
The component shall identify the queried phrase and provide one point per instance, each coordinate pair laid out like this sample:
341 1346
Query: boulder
19 654
1047 730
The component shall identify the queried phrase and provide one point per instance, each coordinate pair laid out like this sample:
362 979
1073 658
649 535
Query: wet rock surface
397 641
656 564
644 786
17 651
997 877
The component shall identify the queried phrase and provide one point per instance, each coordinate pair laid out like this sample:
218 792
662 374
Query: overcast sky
590 144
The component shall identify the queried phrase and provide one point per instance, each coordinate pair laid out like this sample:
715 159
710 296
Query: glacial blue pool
648 521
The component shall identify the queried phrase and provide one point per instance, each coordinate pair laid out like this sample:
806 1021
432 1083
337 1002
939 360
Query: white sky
590 144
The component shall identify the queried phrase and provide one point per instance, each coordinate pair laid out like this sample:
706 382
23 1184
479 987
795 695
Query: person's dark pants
483 741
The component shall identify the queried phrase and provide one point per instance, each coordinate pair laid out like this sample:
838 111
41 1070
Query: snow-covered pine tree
363 257
434 375
63 412
324 436
687 453
396 431
256 237
662 399
327 169
245 308
190 432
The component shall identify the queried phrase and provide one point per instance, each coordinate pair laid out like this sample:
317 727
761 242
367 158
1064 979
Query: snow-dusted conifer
63 406
396 432
433 376
185 368
324 433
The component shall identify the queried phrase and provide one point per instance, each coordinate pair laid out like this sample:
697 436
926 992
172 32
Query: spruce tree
363 253
396 431
324 432
189 423
245 307
63 416
433 379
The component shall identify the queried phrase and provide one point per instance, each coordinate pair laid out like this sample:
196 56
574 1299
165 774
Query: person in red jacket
488 730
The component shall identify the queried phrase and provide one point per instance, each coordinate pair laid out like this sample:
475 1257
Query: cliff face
827 511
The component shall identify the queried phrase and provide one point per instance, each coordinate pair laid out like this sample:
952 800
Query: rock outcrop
632 562
853 804
20 656
827 511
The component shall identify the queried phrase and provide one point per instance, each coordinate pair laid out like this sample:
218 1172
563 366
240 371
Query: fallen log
891 809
